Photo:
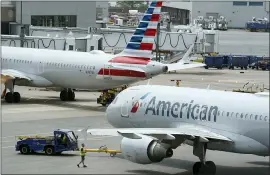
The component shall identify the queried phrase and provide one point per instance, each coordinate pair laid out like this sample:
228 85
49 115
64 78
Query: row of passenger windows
51 64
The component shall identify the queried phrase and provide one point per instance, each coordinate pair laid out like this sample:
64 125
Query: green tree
132 5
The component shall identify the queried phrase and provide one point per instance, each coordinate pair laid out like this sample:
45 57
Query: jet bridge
110 39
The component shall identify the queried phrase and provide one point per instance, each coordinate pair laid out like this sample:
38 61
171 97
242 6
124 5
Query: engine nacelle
145 151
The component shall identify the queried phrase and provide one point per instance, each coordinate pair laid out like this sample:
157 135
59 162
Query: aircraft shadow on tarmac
221 170
55 101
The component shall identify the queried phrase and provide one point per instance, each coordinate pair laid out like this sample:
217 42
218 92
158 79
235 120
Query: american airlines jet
154 120
80 70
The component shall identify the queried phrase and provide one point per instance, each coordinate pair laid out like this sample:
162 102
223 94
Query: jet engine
145 151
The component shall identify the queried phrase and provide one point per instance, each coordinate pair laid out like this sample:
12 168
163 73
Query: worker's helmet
82 144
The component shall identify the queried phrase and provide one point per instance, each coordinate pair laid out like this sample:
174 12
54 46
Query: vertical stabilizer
142 41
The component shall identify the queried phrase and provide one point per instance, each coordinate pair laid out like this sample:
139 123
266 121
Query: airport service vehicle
95 70
48 144
214 61
155 119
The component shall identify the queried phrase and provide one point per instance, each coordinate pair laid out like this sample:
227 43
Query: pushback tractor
49 144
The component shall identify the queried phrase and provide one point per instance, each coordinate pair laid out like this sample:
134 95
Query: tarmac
40 112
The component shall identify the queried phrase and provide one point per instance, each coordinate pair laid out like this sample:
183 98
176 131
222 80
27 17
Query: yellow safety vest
82 152
177 83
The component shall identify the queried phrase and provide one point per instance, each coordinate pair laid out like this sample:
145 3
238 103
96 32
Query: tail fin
142 41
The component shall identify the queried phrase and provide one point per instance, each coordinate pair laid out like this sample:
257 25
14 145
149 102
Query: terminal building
237 13
51 13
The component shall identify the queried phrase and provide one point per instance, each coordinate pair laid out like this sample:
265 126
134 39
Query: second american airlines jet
80 70
155 119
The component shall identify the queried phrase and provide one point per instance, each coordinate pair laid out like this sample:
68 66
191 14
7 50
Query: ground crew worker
64 139
82 154
177 83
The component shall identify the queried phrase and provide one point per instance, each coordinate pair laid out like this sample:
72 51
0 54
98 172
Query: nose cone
111 114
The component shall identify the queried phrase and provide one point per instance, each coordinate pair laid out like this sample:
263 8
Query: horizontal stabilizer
181 65
127 68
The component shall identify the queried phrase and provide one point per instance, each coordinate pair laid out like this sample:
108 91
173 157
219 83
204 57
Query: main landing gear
202 167
11 96
67 95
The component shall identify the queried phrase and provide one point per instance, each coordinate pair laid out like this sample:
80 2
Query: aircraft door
107 71
40 67
124 109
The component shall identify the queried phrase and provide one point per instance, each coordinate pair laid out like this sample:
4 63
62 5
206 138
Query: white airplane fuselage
241 117
70 69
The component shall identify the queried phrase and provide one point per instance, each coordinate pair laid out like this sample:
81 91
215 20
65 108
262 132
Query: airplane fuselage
69 69
239 116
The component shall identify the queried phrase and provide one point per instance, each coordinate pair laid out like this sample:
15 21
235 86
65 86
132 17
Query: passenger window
261 117
242 115
228 114
256 117
236 115
232 114
251 117
265 118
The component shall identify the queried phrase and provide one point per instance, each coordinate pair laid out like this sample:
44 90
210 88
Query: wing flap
159 133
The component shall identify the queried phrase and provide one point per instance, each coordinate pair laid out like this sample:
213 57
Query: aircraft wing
7 74
190 132
181 65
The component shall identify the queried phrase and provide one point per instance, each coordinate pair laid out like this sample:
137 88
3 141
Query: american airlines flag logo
136 106
142 40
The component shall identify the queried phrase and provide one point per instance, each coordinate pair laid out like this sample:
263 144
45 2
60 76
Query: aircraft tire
16 97
71 95
209 168
63 95
9 97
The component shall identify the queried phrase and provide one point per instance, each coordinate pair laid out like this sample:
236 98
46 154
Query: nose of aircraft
111 114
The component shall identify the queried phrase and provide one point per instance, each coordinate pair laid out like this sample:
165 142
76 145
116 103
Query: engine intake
145 150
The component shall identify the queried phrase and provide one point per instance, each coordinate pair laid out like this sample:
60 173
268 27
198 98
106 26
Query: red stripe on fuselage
122 73
130 60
